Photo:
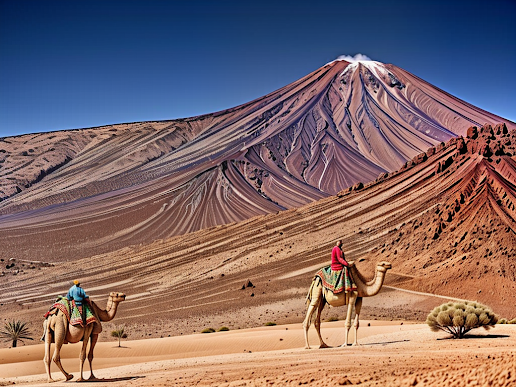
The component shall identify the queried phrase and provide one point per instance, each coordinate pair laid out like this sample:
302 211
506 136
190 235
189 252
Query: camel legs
82 358
315 297
351 303
47 336
59 337
358 307
94 338
317 323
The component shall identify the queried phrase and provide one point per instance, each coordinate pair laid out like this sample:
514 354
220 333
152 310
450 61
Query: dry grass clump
506 321
458 318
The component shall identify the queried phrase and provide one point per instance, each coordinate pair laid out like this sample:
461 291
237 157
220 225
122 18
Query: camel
318 296
57 329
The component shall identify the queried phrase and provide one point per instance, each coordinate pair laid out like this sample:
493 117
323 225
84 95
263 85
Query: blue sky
74 64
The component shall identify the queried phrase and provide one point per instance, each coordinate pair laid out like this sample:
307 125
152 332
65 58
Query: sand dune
391 354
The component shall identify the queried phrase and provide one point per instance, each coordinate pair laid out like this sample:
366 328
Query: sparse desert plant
223 329
119 334
208 330
270 324
333 318
14 331
458 318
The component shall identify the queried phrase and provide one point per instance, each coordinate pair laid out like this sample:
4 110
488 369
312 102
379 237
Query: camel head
383 266
117 297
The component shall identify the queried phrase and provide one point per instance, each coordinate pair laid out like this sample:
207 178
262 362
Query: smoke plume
356 58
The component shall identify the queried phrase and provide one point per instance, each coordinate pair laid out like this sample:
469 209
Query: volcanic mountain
446 220
77 193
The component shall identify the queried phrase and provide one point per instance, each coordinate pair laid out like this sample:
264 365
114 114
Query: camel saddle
72 313
336 281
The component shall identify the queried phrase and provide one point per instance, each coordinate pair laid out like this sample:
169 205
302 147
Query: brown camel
318 296
57 329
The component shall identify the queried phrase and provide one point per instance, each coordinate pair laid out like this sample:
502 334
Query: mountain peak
345 123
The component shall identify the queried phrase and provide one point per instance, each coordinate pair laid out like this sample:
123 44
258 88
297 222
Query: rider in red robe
337 257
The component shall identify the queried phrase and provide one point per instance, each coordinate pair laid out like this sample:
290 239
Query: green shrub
270 324
223 329
458 318
208 330
119 333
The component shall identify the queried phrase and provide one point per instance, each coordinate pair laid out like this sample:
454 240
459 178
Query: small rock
249 284
344 382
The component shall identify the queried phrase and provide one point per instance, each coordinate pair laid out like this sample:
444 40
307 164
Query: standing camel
57 329
318 296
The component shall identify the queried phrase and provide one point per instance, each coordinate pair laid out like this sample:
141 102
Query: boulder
485 151
501 129
461 146
472 132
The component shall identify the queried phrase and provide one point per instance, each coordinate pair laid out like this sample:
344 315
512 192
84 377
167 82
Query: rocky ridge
138 182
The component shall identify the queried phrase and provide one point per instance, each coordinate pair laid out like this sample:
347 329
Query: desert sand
390 354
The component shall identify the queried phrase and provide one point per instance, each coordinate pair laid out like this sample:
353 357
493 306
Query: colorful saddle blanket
72 312
336 281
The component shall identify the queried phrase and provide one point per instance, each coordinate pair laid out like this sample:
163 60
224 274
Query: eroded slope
78 193
446 221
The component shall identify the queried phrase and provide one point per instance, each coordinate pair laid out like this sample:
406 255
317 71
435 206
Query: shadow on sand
367 344
387 342
476 337
111 380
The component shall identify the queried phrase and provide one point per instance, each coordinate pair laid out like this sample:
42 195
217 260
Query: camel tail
45 327
309 295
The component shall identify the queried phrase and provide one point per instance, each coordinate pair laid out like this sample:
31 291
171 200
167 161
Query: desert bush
223 329
506 321
458 318
119 333
270 324
333 318
208 330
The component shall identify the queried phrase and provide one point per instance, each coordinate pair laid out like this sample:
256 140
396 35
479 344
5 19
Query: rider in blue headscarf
78 294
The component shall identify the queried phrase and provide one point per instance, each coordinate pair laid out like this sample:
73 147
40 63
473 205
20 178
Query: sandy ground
391 354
